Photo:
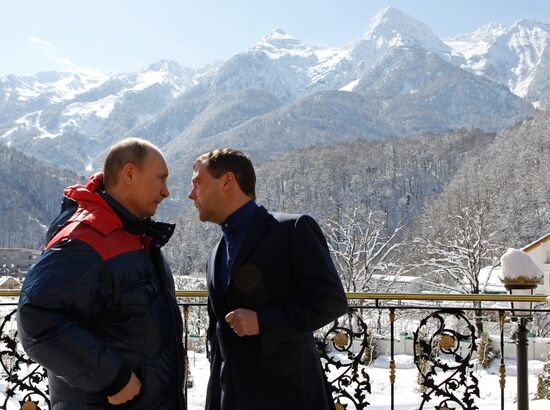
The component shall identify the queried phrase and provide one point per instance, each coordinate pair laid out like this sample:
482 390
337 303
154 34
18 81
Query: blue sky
127 35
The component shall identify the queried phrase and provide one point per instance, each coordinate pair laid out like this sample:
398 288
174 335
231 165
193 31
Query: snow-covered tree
459 235
190 245
361 248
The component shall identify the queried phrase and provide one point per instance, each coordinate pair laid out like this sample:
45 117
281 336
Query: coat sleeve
60 298
320 296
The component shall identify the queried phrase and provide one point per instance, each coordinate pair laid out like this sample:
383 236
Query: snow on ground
407 396
200 370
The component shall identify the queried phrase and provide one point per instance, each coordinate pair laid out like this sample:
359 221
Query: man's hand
244 322
129 391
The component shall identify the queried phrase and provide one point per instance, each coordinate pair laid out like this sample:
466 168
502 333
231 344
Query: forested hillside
499 199
393 178
31 195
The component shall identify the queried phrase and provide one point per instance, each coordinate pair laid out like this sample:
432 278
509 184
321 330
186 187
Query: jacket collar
259 226
159 231
101 211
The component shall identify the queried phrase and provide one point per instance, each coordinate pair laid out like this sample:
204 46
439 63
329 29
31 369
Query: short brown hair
224 160
129 150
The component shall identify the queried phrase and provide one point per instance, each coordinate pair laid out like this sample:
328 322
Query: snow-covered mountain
400 79
278 64
417 90
389 29
291 69
83 111
515 56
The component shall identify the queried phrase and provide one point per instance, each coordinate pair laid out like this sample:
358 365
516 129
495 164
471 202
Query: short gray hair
128 150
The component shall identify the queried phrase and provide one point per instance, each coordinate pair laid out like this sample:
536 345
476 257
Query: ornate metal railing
445 343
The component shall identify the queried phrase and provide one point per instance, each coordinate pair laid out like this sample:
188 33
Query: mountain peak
391 18
277 32
278 43
486 33
391 26
164 71
529 25
390 12
164 65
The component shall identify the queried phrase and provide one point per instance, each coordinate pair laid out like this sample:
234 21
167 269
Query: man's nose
165 192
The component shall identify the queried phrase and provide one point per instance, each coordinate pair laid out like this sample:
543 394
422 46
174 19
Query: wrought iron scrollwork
26 380
342 350
443 355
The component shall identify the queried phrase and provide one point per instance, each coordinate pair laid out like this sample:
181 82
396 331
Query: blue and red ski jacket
100 303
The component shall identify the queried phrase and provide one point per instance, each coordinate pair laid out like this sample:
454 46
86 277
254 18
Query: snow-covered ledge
518 268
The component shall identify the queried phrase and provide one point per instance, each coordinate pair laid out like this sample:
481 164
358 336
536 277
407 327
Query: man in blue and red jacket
98 309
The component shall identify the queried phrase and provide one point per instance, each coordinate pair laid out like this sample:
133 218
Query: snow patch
148 79
32 120
8 133
101 108
350 86
76 83
468 49
25 94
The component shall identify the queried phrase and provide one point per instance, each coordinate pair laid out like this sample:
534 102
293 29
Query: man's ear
228 180
127 173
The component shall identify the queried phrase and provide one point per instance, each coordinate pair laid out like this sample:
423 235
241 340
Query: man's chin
203 217
150 213
153 210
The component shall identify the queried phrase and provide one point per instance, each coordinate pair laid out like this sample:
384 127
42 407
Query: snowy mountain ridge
410 82
512 56
59 86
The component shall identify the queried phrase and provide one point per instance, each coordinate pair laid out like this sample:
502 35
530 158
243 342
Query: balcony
391 351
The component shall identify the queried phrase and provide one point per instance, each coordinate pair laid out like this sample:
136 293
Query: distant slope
31 195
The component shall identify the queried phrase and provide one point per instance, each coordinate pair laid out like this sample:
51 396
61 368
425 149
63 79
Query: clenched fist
244 322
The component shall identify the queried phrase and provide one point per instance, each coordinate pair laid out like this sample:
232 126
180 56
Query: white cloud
43 45
49 51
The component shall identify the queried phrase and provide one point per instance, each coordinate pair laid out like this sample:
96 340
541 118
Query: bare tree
190 245
361 249
459 235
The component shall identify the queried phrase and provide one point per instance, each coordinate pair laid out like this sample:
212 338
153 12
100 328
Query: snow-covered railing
449 349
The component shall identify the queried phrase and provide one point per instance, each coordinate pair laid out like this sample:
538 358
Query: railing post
392 361
502 367
186 355
522 376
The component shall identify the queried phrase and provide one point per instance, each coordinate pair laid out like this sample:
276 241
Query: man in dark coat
98 309
271 283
